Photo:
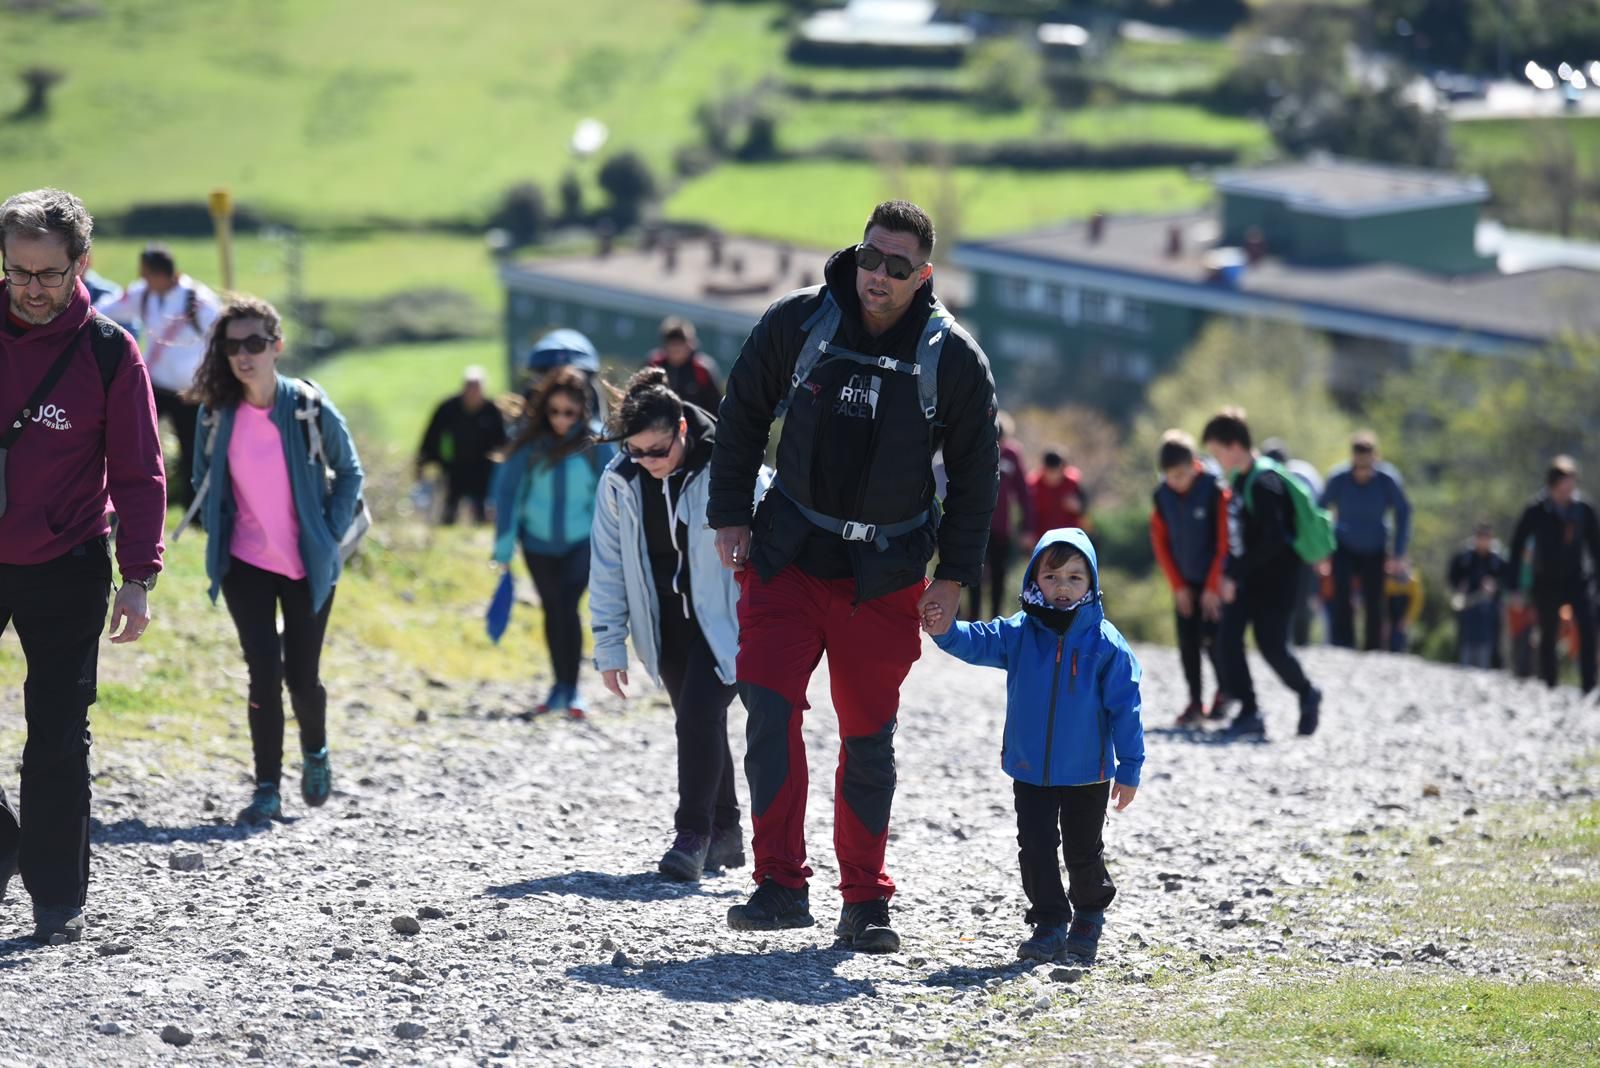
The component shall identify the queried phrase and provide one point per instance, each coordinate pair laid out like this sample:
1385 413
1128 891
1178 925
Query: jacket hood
1076 537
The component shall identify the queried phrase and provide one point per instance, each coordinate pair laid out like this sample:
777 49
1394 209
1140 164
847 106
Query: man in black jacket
462 437
835 558
1565 535
1261 578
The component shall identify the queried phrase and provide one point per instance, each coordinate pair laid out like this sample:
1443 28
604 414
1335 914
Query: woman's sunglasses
255 344
660 452
897 267
563 413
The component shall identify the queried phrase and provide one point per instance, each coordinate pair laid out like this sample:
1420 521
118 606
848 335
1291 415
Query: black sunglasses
255 344
898 267
660 452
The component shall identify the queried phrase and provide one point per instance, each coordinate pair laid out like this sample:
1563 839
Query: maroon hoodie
90 448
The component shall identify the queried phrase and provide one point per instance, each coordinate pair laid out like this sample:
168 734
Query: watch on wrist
146 584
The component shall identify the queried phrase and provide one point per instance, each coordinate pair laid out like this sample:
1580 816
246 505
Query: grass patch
1165 68
1487 141
388 394
824 204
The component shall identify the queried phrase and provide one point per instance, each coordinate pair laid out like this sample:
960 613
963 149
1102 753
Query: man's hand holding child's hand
934 618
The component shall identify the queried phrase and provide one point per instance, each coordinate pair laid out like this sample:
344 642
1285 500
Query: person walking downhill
79 437
1073 738
1012 521
1561 528
691 374
1260 579
1059 499
273 525
463 437
1362 494
544 499
871 375
656 577
1477 583
1308 603
1189 535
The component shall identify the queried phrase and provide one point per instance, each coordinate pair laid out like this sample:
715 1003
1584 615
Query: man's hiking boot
8 868
772 907
1048 942
687 858
57 924
1247 726
727 849
864 926
316 778
1310 712
265 805
1190 717
1083 937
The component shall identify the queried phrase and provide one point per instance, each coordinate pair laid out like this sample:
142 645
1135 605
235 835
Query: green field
387 394
1487 141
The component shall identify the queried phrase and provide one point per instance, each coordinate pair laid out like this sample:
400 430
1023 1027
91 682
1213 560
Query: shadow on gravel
1203 737
606 886
137 830
798 977
960 977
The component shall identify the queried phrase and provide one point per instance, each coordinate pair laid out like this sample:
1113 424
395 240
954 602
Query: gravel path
524 854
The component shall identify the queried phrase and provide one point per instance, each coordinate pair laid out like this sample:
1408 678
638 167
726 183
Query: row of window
1029 346
541 315
1073 304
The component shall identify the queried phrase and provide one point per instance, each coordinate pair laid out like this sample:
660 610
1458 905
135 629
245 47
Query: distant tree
630 185
760 138
522 213
571 193
1478 35
36 84
1363 123
1007 74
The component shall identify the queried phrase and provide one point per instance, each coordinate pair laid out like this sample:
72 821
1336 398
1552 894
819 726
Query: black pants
185 417
997 560
1548 606
59 608
1196 634
471 486
1369 568
560 582
254 597
1072 818
1305 606
1265 605
706 798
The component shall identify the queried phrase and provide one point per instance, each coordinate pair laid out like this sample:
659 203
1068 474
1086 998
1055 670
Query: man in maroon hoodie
78 437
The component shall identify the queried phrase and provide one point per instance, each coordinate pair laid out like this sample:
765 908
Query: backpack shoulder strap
820 327
934 334
208 426
191 309
310 416
106 341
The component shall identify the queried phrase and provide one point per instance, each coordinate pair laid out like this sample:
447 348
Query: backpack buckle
854 531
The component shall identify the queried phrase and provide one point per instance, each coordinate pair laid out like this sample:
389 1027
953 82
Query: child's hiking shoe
1083 937
316 778
265 805
1190 717
1047 943
727 849
1247 725
772 907
864 926
1310 712
687 858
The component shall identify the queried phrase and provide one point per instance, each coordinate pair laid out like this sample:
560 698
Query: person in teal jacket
263 450
1073 736
544 495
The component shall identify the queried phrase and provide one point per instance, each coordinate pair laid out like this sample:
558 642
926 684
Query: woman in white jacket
654 574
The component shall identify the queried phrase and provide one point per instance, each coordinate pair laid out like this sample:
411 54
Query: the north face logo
859 397
53 417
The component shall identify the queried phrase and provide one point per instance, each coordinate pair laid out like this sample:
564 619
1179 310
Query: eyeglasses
52 279
898 267
563 413
255 344
661 452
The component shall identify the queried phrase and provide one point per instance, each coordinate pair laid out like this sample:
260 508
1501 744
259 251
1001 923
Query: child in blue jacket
1072 720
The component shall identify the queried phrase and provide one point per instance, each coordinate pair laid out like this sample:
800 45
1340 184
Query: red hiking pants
784 628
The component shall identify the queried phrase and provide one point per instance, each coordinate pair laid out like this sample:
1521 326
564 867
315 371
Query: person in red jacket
1189 533
1015 502
691 374
1058 496
79 437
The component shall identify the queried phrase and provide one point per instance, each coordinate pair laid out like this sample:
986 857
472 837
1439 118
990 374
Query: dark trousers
185 417
1196 634
254 597
1548 606
706 798
1072 818
471 486
560 582
1305 606
997 560
59 609
1265 605
1369 568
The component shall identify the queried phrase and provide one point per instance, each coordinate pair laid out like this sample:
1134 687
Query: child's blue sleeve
983 644
1119 690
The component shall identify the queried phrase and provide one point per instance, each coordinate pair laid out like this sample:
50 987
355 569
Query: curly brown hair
561 381
215 384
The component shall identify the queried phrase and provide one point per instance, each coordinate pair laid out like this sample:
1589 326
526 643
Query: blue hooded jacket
1072 699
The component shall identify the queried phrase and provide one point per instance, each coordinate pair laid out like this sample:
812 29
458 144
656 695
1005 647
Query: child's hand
934 620
1122 795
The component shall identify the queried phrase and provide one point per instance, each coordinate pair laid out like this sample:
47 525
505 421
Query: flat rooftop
1326 185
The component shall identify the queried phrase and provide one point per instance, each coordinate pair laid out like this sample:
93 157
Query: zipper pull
1074 663
1059 643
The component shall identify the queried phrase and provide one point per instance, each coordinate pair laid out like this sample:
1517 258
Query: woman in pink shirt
274 520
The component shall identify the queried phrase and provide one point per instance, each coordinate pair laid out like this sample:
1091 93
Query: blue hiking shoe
1083 937
265 805
1048 942
316 778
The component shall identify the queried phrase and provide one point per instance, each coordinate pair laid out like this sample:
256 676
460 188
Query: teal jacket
546 508
324 511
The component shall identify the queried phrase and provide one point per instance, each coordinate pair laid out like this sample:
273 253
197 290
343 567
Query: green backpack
1313 526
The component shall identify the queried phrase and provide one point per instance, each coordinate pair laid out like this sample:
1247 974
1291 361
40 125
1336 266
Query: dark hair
646 403
1561 467
567 381
1177 450
158 257
1364 441
1053 459
1227 427
676 329
215 384
1058 556
903 217
43 212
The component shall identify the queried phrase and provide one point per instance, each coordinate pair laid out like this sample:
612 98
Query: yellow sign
221 201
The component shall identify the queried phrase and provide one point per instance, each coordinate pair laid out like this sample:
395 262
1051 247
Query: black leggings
1071 817
700 699
1265 605
1196 635
560 581
254 597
